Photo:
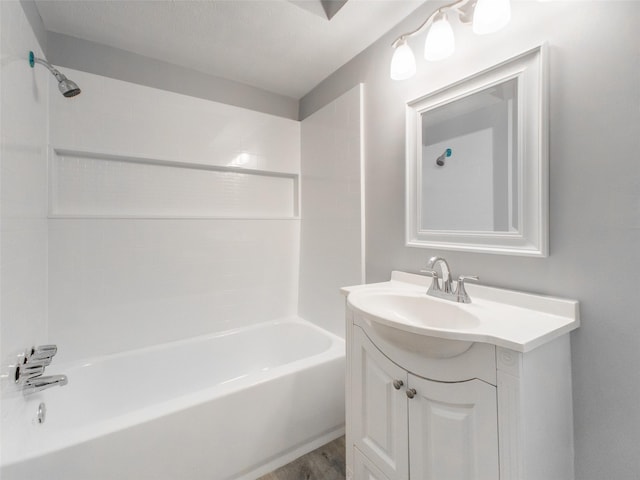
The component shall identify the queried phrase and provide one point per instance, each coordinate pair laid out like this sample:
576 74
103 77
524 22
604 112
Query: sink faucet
446 290
446 274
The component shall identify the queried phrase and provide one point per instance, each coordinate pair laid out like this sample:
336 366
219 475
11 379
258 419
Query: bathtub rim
88 432
293 319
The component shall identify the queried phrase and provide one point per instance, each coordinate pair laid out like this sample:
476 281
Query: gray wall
594 195
71 52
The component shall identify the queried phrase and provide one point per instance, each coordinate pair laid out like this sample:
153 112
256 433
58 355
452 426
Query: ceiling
283 46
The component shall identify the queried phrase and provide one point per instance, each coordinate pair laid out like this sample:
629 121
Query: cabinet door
379 408
364 469
453 430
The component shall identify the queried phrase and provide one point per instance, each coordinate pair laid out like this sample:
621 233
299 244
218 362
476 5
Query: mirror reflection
468 173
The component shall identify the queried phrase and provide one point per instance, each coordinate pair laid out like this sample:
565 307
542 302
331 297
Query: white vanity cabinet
411 427
434 404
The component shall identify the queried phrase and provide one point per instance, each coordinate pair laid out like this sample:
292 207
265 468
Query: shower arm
59 76
67 87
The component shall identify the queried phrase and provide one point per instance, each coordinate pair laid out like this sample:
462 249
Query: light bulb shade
403 63
491 15
440 42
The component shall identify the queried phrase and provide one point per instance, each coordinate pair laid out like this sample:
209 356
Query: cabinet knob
397 384
411 392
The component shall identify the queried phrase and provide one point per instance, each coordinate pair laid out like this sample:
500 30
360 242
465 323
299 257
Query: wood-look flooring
324 463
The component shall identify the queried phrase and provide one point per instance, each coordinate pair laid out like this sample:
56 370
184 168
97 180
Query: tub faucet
446 290
38 384
30 370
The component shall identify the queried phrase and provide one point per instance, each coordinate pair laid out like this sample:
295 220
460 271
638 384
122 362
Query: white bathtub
233 405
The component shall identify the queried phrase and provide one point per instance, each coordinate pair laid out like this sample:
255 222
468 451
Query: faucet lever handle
461 293
26 372
463 278
429 271
435 284
42 354
43 351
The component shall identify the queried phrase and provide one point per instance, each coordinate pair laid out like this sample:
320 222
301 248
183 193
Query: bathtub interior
115 392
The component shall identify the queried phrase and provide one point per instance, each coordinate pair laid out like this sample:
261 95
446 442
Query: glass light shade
491 15
440 42
403 63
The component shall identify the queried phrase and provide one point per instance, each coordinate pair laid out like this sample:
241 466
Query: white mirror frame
531 238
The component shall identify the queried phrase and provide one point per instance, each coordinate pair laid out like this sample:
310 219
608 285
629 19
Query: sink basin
406 319
414 309
400 312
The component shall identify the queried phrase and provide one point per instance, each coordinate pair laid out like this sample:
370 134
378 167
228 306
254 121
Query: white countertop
515 320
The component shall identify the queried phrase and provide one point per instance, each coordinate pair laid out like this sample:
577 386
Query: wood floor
324 463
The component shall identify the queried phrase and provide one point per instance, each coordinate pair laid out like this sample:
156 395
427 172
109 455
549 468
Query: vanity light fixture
486 16
440 42
403 63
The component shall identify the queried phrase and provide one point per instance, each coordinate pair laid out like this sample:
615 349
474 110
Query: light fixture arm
459 6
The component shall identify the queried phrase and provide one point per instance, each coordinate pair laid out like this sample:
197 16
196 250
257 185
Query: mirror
477 162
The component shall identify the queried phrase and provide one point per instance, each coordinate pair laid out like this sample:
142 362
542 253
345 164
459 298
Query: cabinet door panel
453 431
364 469
379 410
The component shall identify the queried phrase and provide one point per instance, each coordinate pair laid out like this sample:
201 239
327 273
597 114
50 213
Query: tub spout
38 384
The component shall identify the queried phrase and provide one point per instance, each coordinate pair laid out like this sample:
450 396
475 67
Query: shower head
67 87
440 159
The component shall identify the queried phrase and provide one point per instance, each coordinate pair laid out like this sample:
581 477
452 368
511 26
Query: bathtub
233 405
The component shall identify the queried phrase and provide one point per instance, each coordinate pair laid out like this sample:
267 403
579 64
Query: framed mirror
477 162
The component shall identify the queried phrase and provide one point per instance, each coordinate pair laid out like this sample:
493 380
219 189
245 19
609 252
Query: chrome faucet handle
461 293
435 284
43 351
26 372
42 355
36 362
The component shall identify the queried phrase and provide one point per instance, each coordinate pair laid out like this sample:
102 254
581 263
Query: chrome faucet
446 290
38 384
30 369
446 275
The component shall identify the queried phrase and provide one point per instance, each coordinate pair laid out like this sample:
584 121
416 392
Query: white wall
470 170
23 212
594 194
332 251
170 216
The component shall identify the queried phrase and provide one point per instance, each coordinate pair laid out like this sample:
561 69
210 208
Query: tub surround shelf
505 318
107 185
201 165
162 217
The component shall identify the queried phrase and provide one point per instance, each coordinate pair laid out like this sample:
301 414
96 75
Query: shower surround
172 223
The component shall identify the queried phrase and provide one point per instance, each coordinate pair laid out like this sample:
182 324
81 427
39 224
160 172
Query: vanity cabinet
443 391
412 427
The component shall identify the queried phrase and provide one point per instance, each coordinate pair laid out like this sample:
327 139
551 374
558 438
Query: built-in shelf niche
98 185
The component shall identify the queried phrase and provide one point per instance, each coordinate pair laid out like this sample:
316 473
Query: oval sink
417 310
414 321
